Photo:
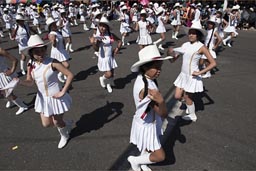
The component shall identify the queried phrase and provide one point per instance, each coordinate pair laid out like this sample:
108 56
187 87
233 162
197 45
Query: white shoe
109 88
102 82
190 117
21 110
23 72
145 167
134 165
176 38
8 104
64 133
224 42
71 50
128 43
96 53
160 47
229 45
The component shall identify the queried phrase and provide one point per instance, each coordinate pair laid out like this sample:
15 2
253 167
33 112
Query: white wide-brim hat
143 11
121 4
62 11
195 26
213 20
148 54
124 8
159 10
177 4
20 17
49 21
33 42
104 20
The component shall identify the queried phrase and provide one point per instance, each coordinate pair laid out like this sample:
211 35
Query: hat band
156 57
38 45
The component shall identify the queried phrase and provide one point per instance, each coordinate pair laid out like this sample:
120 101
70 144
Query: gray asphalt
223 138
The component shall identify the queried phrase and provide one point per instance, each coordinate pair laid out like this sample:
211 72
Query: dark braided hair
142 71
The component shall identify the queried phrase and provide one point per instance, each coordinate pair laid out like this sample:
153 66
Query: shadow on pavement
97 118
173 135
82 75
121 82
198 99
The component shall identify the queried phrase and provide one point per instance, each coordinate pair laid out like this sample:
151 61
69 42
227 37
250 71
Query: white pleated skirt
51 106
213 53
175 22
4 80
82 18
146 135
144 40
106 63
160 29
61 54
189 83
230 29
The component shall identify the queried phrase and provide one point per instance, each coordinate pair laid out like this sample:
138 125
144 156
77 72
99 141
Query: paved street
223 138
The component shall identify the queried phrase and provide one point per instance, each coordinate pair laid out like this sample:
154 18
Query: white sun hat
121 4
159 10
195 26
104 20
20 17
62 11
148 54
177 4
33 42
124 7
143 11
49 21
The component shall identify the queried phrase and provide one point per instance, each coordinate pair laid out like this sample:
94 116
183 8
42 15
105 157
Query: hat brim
186 30
26 50
108 24
135 67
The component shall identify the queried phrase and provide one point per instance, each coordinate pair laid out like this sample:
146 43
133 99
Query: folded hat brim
26 50
135 66
186 30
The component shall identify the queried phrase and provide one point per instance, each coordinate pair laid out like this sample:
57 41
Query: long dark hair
142 71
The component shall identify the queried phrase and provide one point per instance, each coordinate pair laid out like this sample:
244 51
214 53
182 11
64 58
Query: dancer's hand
8 72
58 95
155 95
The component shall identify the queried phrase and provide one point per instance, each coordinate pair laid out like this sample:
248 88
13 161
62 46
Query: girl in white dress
145 28
160 28
52 101
7 84
64 24
83 14
8 21
36 19
21 34
189 80
58 50
150 109
106 61
230 27
125 28
212 42
176 22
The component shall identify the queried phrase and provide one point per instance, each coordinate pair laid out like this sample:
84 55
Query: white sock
67 45
158 41
228 38
144 167
123 39
191 108
22 63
